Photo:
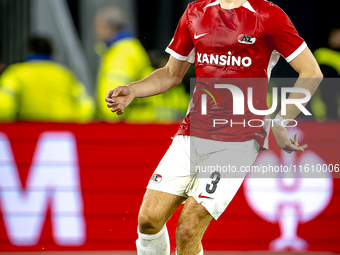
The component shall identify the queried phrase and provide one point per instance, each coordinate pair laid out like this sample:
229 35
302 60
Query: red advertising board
79 187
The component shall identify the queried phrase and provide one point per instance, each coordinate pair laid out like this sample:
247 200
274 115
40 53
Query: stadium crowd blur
124 60
42 90
39 89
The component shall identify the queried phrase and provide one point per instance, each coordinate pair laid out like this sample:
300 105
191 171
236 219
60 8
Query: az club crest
156 178
246 39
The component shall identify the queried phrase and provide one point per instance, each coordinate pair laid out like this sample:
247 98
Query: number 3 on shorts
211 188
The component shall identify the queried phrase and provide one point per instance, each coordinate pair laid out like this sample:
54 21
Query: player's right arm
163 79
156 83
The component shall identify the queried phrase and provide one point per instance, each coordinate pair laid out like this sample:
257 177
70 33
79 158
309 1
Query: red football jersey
244 42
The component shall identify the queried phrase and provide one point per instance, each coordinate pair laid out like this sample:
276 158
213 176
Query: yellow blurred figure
124 60
326 101
41 90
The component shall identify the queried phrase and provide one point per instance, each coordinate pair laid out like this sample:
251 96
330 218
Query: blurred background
85 36
58 59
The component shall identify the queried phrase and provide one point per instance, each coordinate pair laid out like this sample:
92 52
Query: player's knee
185 232
148 224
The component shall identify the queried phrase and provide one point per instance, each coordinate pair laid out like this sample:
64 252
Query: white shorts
203 169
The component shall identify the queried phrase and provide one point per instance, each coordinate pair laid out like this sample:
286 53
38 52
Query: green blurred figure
41 90
124 60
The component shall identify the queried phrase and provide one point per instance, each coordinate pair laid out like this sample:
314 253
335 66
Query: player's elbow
316 73
312 73
319 74
175 73
176 80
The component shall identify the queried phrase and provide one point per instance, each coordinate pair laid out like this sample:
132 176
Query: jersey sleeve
181 47
282 35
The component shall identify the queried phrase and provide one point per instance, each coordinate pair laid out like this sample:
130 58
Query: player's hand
119 98
283 141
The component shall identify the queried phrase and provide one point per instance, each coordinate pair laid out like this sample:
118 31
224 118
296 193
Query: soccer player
225 39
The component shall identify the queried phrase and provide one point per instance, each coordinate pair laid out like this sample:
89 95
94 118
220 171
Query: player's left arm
310 77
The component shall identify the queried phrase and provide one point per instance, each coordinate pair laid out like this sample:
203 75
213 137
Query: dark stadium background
156 21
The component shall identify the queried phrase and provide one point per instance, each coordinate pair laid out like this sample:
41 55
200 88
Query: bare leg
192 223
157 207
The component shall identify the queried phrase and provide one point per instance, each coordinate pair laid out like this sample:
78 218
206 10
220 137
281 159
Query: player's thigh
157 207
193 221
